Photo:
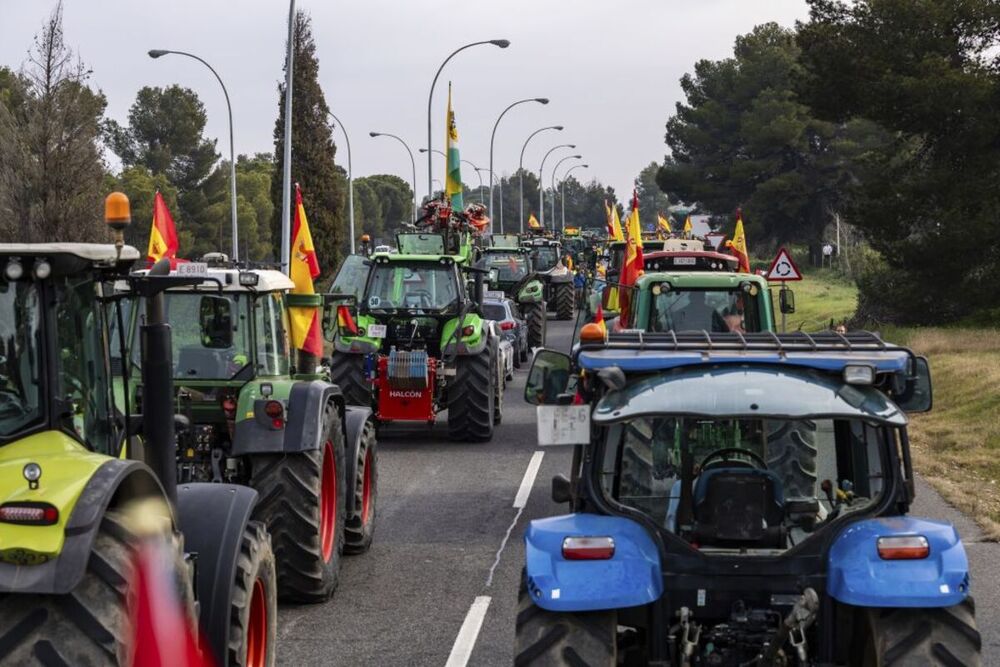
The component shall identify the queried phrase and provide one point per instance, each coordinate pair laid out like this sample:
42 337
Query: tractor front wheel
535 315
471 397
303 503
347 371
254 608
944 636
564 301
361 523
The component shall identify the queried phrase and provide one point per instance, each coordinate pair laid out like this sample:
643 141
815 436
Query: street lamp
502 43
562 186
413 164
157 53
541 181
554 170
520 165
493 136
350 179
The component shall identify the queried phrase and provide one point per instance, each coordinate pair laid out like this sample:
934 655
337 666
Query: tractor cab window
510 266
544 258
426 286
21 345
744 483
272 341
352 276
702 310
211 335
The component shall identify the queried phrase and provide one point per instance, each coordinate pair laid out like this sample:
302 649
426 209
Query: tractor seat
201 362
735 507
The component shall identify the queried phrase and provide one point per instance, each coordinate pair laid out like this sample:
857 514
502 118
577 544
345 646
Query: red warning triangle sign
783 268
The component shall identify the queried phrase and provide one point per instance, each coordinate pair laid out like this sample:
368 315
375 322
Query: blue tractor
738 499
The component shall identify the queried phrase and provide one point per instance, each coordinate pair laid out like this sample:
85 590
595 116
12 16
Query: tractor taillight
588 548
903 547
29 514
276 411
229 407
469 330
508 325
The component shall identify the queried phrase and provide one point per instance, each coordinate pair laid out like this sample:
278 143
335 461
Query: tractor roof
689 260
685 277
268 280
396 257
103 254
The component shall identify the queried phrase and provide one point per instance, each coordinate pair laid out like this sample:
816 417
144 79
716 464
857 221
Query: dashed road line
461 650
521 499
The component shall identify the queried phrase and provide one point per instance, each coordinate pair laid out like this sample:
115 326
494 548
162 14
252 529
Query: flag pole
286 183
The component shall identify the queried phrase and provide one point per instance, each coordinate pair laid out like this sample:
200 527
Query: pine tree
323 189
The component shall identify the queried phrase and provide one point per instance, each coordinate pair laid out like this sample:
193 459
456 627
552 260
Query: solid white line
521 499
461 651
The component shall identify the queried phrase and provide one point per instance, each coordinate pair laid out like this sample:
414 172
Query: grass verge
820 296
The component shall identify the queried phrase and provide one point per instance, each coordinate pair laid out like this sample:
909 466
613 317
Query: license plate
192 269
376 331
563 425
494 294
685 261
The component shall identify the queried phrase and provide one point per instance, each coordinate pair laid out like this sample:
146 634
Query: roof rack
766 341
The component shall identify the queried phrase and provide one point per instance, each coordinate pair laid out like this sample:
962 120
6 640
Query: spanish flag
616 225
632 267
599 320
688 228
163 235
533 222
663 226
738 246
453 176
303 268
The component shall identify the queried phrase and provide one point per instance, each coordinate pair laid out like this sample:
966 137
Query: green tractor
510 273
408 335
547 262
251 418
77 458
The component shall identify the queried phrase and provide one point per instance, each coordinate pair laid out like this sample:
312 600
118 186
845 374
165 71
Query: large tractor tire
91 624
499 384
791 455
536 317
360 527
564 301
303 502
944 636
347 371
254 613
471 397
550 639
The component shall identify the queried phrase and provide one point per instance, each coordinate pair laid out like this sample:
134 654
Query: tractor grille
407 369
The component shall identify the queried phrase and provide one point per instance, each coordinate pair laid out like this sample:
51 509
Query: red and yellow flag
662 226
533 222
632 268
303 267
163 235
688 227
616 225
738 245
599 320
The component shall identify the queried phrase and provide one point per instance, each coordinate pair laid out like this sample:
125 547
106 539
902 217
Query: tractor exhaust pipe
158 389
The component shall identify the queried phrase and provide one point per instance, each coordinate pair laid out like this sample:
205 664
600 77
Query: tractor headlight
859 374
14 270
42 270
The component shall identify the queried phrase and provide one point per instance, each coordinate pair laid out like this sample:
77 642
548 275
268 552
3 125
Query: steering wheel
723 454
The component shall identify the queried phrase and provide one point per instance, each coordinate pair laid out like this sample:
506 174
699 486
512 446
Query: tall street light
503 44
493 136
157 53
520 165
554 170
541 181
350 179
413 164
562 186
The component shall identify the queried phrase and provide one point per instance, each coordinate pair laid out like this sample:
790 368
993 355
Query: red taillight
588 548
903 547
31 514
229 407
508 325
278 423
274 409
469 330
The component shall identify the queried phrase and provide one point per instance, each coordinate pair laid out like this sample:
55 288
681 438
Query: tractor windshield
703 310
211 335
424 286
510 266
744 483
544 258
21 345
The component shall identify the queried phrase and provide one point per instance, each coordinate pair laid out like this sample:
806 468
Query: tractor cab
547 263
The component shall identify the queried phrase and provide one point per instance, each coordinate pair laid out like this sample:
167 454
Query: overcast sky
611 69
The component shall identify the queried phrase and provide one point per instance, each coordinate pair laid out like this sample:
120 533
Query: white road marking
461 650
521 499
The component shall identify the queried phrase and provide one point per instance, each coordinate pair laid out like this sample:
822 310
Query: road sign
783 268
715 239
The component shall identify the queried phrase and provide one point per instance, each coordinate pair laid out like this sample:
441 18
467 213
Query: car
513 328
507 355
383 248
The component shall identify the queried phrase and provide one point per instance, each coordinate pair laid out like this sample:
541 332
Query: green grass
820 296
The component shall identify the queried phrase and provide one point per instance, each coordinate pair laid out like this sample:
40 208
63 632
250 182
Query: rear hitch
793 628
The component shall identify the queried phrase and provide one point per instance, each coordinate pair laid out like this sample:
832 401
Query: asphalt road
447 554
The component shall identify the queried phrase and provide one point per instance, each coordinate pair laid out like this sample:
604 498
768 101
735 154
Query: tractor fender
467 345
631 577
118 480
212 518
858 576
355 418
303 422
356 345
564 276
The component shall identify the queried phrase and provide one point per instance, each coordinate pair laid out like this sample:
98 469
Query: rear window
494 312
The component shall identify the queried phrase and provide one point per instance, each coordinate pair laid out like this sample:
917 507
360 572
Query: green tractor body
547 262
511 275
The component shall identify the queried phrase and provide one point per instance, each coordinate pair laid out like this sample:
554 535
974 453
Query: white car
382 248
507 359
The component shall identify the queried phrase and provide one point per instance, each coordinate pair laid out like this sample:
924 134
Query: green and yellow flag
453 176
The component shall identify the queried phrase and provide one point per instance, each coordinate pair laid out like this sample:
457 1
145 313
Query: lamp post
350 179
520 165
554 170
502 43
157 53
562 187
493 136
413 164
541 181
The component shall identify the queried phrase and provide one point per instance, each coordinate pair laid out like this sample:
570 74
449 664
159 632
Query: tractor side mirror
216 321
786 300
548 378
918 396
562 490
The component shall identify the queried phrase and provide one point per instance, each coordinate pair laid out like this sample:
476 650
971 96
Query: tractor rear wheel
360 526
91 624
498 389
791 454
254 608
347 371
535 315
471 397
547 639
944 636
564 301
302 502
